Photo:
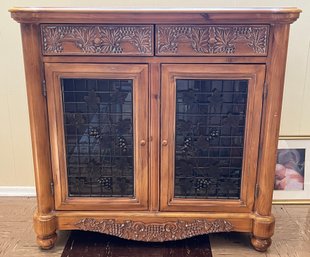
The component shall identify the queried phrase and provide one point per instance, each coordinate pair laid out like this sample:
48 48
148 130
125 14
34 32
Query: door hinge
52 188
256 191
44 88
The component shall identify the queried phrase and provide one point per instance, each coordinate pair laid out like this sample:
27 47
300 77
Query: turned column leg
45 228
46 242
263 228
263 221
260 244
44 220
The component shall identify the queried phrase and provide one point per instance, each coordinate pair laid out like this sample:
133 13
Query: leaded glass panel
98 128
210 125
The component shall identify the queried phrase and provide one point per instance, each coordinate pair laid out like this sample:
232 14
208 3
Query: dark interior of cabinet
98 128
210 125
209 139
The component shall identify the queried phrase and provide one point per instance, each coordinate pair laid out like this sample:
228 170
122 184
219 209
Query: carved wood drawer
213 40
97 39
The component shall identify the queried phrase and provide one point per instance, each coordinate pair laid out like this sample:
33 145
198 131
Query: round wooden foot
259 244
47 242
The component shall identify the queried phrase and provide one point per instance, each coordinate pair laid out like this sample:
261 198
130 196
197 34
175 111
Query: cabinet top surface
213 10
176 15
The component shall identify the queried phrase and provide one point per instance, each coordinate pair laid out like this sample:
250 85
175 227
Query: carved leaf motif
224 38
97 39
142 40
52 38
154 232
258 40
84 38
213 39
201 40
110 40
167 40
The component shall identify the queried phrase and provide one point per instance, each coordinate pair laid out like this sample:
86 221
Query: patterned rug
90 244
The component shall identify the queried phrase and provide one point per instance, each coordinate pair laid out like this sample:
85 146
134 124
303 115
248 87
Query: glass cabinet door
210 134
98 126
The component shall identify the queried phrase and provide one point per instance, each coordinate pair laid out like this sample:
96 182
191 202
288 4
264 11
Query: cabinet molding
169 119
155 232
212 40
138 74
64 39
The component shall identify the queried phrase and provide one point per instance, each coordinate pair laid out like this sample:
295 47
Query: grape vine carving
97 39
154 232
207 39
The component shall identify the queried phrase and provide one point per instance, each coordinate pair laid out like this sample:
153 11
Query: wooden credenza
154 125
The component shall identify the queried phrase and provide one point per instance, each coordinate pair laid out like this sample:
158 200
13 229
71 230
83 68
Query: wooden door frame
255 74
139 74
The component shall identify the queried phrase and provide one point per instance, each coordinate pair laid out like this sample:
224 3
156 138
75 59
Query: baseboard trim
17 191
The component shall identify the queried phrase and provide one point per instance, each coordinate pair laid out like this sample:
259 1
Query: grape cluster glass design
210 125
98 115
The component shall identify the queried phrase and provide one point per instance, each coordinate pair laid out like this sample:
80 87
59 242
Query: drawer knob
164 142
142 142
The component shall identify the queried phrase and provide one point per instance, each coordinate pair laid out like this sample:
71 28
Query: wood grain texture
67 220
155 59
172 72
159 16
249 41
154 138
139 76
291 238
155 232
46 235
271 118
72 39
207 40
38 117
45 228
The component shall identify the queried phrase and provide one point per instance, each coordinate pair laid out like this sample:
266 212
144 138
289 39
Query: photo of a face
290 169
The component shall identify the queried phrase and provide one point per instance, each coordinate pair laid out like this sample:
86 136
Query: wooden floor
291 239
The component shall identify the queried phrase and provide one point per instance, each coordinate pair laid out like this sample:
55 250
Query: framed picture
292 171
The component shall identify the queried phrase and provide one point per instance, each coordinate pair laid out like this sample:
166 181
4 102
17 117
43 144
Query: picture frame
292 174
